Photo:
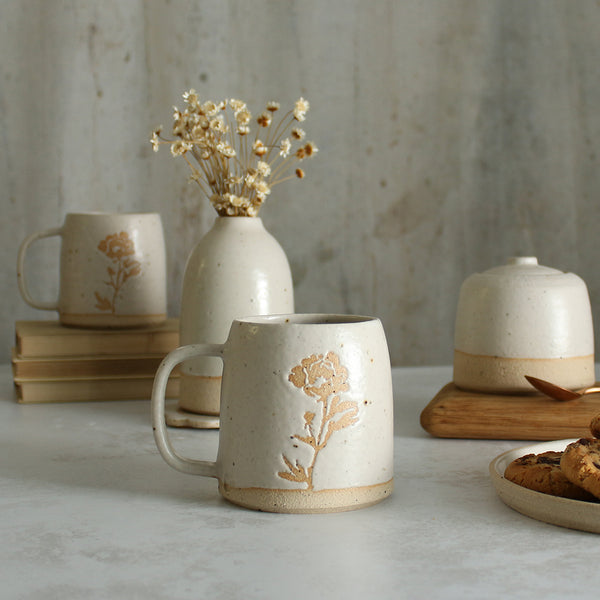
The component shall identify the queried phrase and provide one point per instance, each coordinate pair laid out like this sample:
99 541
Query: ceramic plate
575 514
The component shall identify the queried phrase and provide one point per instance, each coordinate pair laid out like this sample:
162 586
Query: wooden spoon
557 392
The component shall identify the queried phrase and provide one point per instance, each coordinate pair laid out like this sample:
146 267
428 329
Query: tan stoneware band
115 321
304 501
496 374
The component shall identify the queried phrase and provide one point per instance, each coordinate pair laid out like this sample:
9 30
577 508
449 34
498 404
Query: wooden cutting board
455 413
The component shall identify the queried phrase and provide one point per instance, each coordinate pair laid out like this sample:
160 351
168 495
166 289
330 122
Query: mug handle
173 459
21 268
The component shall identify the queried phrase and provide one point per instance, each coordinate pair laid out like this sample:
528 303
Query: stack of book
53 363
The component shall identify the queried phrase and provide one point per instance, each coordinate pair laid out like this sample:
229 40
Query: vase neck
250 223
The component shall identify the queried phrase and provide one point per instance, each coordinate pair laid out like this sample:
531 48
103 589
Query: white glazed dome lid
523 265
524 310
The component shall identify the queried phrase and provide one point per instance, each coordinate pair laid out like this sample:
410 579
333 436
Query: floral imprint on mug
118 247
323 378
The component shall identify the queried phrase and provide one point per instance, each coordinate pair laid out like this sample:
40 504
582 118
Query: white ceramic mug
112 270
306 413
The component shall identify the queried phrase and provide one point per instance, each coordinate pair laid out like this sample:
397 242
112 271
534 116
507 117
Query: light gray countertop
90 510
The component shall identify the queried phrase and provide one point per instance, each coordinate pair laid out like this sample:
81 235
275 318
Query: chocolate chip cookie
543 473
595 426
580 463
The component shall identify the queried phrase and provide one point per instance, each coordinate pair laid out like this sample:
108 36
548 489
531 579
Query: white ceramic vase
237 269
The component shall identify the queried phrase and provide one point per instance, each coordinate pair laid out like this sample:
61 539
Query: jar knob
522 260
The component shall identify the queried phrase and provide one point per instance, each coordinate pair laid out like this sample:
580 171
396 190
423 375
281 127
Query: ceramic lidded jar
523 319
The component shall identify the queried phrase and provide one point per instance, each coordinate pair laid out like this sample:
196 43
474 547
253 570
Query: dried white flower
273 106
155 139
180 147
310 149
218 125
206 153
300 109
178 127
259 148
237 105
209 108
237 201
225 150
264 119
234 180
262 189
263 168
284 147
243 117
298 134
191 98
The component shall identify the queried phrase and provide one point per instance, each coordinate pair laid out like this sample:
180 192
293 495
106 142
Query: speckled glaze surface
237 269
523 319
306 413
112 270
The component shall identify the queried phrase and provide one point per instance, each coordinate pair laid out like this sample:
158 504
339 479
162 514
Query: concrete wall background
452 134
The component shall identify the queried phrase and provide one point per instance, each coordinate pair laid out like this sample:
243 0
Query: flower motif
117 246
319 376
323 378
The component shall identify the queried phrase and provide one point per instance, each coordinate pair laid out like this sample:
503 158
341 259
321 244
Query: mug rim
306 319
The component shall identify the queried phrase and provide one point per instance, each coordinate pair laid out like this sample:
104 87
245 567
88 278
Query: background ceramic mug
306 413
112 270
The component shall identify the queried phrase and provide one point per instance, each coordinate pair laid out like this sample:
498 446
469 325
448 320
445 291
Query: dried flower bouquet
234 169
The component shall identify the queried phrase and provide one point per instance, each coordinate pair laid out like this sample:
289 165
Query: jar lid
522 265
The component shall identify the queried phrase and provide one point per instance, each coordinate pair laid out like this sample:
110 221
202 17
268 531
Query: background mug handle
161 437
21 269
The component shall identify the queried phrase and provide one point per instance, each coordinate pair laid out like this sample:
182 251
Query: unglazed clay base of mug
306 502
111 321
175 417
199 394
507 375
